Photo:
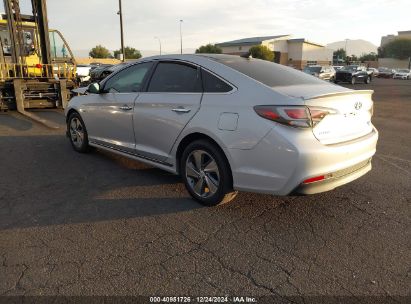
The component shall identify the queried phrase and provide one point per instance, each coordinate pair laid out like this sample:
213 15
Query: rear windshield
268 73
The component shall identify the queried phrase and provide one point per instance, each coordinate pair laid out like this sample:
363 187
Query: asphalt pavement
99 224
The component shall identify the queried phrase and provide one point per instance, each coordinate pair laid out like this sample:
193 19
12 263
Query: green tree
209 49
368 57
99 51
398 48
131 53
261 52
339 54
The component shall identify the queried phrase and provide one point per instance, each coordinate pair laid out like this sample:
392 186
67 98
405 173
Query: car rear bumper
349 174
287 157
399 77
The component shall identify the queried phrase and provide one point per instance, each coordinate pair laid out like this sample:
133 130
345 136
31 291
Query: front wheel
206 173
77 133
353 80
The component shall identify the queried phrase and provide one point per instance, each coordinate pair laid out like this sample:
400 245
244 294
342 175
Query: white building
293 52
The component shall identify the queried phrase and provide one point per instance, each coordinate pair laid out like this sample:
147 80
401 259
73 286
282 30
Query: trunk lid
351 115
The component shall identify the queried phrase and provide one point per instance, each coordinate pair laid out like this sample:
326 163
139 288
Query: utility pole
159 41
181 38
120 12
345 48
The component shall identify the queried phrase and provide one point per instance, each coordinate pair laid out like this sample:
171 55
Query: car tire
353 80
367 80
206 173
77 133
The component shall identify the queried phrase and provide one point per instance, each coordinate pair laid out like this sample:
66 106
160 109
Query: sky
86 23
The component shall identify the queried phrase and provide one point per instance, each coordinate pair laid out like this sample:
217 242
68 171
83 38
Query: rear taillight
318 114
295 116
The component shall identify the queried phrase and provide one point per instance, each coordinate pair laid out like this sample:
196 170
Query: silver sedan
227 123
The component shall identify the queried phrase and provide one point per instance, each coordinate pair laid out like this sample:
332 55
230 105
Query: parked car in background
102 72
226 123
99 72
95 65
353 74
385 72
373 72
337 67
83 73
402 74
322 72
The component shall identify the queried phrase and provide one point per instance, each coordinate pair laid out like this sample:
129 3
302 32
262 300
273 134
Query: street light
181 38
159 41
120 12
345 48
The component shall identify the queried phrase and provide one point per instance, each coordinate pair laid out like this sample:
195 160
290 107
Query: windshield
312 69
403 71
350 68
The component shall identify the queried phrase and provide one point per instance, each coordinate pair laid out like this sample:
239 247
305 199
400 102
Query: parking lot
99 224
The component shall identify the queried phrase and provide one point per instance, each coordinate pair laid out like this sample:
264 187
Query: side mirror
94 88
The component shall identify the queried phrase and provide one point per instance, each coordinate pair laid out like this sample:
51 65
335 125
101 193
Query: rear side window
175 77
268 73
213 84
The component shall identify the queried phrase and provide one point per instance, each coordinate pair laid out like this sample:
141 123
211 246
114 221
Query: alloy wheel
353 80
202 173
76 132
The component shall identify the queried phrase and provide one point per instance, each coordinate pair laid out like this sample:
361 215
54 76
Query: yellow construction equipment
37 67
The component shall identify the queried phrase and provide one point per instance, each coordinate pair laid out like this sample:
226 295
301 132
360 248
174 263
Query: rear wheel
206 173
77 133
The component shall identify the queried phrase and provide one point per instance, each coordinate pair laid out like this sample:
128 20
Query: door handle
181 110
126 108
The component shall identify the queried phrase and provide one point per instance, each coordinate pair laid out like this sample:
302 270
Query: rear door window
213 84
175 77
